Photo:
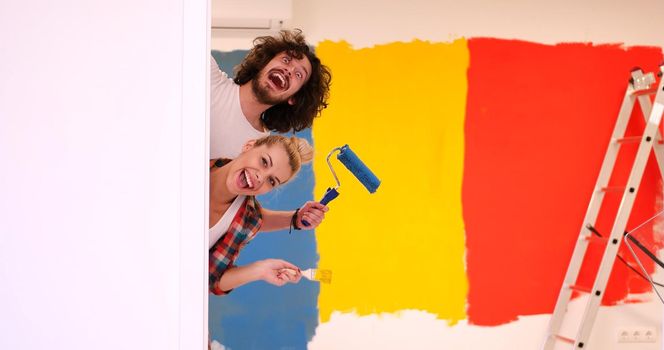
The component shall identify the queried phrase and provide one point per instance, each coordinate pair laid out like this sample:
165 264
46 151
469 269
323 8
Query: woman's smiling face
258 170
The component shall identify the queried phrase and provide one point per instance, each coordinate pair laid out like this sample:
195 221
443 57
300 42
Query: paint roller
350 160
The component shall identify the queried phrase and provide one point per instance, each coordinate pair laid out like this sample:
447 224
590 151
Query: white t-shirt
229 128
221 227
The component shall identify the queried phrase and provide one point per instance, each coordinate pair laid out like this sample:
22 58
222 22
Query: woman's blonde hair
298 149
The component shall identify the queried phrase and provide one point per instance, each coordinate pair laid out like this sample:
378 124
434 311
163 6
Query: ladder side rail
658 148
590 217
620 223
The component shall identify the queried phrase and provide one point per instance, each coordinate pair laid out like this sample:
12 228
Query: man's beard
263 94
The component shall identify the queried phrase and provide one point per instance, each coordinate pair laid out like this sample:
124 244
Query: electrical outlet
637 335
624 335
650 335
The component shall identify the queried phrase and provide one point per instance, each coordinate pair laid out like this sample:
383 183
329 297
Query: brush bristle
324 276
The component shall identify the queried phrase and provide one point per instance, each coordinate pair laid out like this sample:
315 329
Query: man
280 86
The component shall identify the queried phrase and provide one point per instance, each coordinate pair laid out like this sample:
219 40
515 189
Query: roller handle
331 194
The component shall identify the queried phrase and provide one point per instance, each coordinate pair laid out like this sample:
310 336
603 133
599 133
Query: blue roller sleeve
331 194
350 160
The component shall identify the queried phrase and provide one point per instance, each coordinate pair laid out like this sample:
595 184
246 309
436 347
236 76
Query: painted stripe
401 109
538 122
259 315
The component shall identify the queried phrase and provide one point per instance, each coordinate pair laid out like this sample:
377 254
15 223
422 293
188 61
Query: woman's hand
313 213
276 271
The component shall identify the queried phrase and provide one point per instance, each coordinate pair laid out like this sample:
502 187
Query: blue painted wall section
259 315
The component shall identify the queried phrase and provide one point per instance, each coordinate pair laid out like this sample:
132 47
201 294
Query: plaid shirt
243 228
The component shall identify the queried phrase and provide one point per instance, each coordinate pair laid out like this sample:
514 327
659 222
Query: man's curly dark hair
312 97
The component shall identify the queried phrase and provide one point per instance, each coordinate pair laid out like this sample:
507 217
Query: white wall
102 188
369 22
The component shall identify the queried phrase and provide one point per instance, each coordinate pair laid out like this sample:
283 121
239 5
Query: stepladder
640 90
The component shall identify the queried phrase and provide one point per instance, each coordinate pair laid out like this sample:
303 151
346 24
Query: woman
235 215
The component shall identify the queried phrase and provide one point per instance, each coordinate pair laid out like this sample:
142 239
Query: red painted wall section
539 119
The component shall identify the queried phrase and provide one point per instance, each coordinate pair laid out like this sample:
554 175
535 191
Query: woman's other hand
277 272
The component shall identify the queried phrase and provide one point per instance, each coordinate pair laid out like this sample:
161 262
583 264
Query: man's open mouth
278 79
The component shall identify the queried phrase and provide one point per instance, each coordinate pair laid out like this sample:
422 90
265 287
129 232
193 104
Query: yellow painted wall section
401 108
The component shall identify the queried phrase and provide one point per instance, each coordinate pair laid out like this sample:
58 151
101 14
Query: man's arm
312 212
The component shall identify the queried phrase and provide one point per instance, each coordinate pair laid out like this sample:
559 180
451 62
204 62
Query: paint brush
323 276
